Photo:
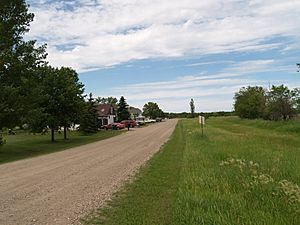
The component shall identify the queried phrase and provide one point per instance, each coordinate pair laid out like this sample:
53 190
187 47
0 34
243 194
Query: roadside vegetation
240 172
277 103
25 145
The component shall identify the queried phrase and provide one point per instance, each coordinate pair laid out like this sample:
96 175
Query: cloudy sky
171 51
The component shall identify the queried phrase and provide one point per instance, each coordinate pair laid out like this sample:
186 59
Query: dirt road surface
61 187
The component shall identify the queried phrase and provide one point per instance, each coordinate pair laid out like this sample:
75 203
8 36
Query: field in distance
240 172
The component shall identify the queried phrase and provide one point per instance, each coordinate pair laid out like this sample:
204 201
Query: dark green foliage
30 91
89 117
109 100
279 103
122 111
38 120
192 105
282 103
2 140
62 94
152 110
19 60
250 102
15 19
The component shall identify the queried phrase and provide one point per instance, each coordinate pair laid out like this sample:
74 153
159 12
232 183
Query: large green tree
19 61
63 100
152 110
71 99
122 111
250 102
282 102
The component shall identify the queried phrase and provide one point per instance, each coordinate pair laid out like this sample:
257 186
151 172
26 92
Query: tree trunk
65 132
52 134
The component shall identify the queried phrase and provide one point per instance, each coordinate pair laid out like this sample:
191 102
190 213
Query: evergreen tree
123 113
89 118
192 105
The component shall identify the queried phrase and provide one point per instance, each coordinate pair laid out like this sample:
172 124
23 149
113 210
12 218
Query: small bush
2 140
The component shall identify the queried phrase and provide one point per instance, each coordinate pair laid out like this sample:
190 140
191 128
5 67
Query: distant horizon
169 52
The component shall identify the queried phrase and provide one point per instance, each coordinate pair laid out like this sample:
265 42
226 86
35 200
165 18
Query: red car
114 126
132 123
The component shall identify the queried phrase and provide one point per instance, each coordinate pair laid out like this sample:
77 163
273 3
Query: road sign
201 119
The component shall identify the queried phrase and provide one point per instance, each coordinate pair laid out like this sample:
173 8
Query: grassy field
24 145
240 172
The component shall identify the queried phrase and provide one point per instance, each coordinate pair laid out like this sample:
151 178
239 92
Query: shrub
2 140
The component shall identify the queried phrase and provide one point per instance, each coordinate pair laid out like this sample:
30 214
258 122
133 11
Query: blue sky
171 51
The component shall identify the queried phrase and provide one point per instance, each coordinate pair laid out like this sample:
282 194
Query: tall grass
240 172
233 175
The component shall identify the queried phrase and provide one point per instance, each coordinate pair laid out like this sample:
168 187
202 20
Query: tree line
277 103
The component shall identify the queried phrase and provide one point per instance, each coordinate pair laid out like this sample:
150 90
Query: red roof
105 110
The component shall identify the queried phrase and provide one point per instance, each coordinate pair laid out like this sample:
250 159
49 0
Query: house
106 114
134 112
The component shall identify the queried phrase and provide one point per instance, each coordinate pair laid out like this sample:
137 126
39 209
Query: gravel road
61 187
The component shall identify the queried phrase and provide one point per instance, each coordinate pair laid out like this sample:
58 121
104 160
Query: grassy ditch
240 172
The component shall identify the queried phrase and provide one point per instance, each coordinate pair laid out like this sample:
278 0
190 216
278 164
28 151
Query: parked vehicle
150 121
114 126
132 123
140 120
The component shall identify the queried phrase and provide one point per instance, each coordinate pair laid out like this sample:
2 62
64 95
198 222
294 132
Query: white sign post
202 122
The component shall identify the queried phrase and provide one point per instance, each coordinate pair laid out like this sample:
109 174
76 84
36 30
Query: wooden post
202 125
202 122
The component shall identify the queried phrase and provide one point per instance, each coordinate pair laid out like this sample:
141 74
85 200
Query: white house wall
111 119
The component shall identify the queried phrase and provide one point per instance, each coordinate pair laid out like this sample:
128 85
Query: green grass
24 145
240 172
148 200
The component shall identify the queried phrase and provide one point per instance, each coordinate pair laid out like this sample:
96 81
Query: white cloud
211 92
173 96
109 32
